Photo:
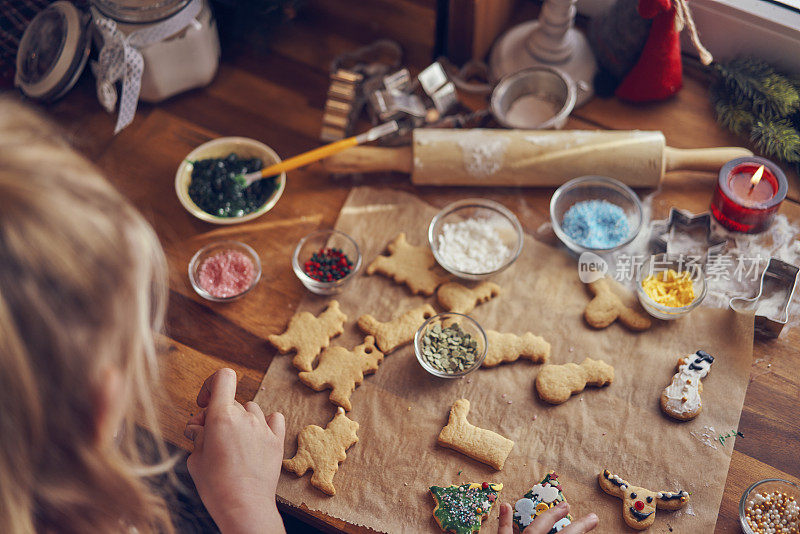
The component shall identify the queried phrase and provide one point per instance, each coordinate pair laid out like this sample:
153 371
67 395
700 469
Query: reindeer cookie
606 307
681 399
399 330
343 370
323 450
507 347
478 443
557 383
413 266
457 298
308 335
639 504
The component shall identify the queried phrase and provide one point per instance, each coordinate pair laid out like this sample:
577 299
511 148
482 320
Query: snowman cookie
681 398
538 499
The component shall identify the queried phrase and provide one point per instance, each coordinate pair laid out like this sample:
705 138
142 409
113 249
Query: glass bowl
768 485
315 241
214 248
504 222
468 325
662 262
219 148
595 188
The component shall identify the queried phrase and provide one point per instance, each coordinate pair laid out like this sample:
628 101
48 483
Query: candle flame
757 176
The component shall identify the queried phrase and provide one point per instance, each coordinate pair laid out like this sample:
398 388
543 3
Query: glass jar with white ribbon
155 48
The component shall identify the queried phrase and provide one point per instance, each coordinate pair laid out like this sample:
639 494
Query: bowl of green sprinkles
450 345
207 186
595 214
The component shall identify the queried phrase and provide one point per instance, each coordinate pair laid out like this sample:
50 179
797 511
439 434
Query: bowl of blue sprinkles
595 214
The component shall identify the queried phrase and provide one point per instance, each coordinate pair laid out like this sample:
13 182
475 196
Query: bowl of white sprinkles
475 238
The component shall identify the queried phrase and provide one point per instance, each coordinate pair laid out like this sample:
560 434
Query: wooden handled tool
535 158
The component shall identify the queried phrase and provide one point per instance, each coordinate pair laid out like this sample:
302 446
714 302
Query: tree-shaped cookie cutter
684 221
784 276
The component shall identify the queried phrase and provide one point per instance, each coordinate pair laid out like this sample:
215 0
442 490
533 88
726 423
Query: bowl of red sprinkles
224 271
326 260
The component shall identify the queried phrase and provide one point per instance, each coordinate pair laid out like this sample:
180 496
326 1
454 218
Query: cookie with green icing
538 499
462 509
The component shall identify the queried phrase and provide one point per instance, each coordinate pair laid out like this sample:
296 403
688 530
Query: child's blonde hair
82 290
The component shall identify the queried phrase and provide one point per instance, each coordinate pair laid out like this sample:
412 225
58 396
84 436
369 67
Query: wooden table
276 95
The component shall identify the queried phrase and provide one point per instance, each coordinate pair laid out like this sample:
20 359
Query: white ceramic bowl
219 148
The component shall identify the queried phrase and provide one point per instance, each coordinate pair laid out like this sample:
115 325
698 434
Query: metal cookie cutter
771 303
680 225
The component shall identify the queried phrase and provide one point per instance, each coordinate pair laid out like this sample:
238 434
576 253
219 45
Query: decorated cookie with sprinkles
538 499
462 509
639 504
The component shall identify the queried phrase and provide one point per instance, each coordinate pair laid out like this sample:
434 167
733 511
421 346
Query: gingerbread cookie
409 265
606 307
478 443
538 499
639 504
323 450
343 370
457 298
397 332
308 335
462 509
557 383
507 347
681 399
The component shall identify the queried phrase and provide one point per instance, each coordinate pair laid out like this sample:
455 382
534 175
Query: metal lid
139 11
52 52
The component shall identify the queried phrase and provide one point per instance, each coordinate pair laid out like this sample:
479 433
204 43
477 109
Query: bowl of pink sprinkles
224 271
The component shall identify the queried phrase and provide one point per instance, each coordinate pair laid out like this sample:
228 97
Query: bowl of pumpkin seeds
450 345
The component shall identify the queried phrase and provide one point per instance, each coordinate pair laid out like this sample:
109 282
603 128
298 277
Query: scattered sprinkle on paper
707 436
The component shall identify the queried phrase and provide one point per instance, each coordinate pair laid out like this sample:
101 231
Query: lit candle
748 194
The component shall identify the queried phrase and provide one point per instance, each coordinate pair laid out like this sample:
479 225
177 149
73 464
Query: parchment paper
384 482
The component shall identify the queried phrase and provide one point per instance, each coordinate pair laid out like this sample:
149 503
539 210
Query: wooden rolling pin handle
701 159
371 159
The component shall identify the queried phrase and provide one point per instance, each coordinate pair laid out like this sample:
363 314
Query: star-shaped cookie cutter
679 219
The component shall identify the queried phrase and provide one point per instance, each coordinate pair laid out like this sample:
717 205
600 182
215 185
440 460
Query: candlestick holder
552 41
742 206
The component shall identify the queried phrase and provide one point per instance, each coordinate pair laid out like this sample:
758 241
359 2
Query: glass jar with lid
183 60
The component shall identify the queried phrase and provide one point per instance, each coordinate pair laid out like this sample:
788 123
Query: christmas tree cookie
538 499
462 509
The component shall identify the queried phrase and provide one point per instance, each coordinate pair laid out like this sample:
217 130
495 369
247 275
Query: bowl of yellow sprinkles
670 287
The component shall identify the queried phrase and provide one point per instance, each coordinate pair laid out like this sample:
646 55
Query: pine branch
757 82
777 139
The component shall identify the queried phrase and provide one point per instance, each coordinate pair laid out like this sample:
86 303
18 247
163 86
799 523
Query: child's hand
545 521
236 459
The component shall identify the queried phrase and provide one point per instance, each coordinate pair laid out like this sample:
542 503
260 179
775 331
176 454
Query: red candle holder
740 206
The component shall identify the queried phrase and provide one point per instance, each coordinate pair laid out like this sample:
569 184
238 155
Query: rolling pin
531 158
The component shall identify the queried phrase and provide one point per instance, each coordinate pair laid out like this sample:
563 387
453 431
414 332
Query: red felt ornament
658 73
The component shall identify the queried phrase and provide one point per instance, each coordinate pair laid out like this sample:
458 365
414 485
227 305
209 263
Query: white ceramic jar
178 62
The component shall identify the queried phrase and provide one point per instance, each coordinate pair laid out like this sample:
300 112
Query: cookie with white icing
538 499
681 398
639 504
